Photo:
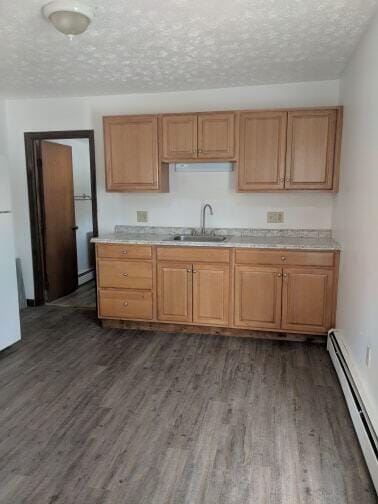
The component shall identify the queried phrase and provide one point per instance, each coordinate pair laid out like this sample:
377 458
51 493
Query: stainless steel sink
198 238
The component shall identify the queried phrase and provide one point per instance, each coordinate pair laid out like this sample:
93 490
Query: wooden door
211 294
258 297
262 151
179 137
131 153
311 141
216 136
307 299
61 276
174 292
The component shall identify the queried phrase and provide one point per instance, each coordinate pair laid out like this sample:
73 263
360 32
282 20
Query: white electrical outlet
275 217
142 216
368 357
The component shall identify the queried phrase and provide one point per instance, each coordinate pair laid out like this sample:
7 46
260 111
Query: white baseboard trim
86 277
365 431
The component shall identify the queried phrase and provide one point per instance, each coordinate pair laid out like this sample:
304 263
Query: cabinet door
311 143
179 137
262 151
216 136
258 297
175 292
131 153
211 294
307 299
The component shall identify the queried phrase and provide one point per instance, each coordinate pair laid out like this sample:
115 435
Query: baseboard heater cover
365 432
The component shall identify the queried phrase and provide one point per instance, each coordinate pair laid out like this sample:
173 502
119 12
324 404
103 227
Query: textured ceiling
150 45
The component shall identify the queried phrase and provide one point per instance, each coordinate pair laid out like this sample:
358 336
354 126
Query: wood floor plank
104 416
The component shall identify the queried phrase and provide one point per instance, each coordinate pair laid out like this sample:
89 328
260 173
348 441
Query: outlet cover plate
142 216
275 217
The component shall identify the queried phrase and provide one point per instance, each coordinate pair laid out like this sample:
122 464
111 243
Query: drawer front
119 251
193 254
284 257
125 274
134 305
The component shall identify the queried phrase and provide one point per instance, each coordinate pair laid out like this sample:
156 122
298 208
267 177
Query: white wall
356 216
83 208
181 205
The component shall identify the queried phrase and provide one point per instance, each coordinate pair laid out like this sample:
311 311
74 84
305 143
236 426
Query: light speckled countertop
305 239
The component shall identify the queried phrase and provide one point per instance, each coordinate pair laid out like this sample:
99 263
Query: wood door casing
257 299
216 135
262 151
307 299
211 294
174 292
311 142
131 153
59 220
179 137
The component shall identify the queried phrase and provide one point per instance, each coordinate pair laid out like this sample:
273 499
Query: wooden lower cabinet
258 297
211 294
174 292
272 290
307 299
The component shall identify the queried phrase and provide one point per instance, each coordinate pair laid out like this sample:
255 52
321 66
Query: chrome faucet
203 220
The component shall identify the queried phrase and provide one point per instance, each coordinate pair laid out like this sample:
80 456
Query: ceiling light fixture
70 17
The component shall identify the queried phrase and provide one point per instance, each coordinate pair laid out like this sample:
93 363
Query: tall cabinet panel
216 136
311 142
131 154
174 292
179 137
211 294
262 151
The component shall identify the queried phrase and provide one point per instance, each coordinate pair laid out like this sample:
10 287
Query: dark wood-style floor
94 416
83 297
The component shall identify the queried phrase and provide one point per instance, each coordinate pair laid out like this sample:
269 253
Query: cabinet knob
194 151
283 258
200 151
189 270
124 251
282 179
125 304
285 275
194 271
279 275
125 274
288 180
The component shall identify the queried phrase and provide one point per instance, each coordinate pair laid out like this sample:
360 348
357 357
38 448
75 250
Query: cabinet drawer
119 251
125 304
125 274
193 254
284 257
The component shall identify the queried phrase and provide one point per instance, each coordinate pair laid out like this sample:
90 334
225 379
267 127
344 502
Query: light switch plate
142 216
275 217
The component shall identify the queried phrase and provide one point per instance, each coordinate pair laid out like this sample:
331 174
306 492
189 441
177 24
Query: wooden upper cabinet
131 153
179 137
211 294
216 136
258 297
311 149
307 299
262 151
174 283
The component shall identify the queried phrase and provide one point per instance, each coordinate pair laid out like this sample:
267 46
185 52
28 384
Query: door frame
36 199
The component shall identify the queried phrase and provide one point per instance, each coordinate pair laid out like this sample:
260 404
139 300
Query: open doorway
63 216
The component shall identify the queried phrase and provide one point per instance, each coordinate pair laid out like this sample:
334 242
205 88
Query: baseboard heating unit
365 432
